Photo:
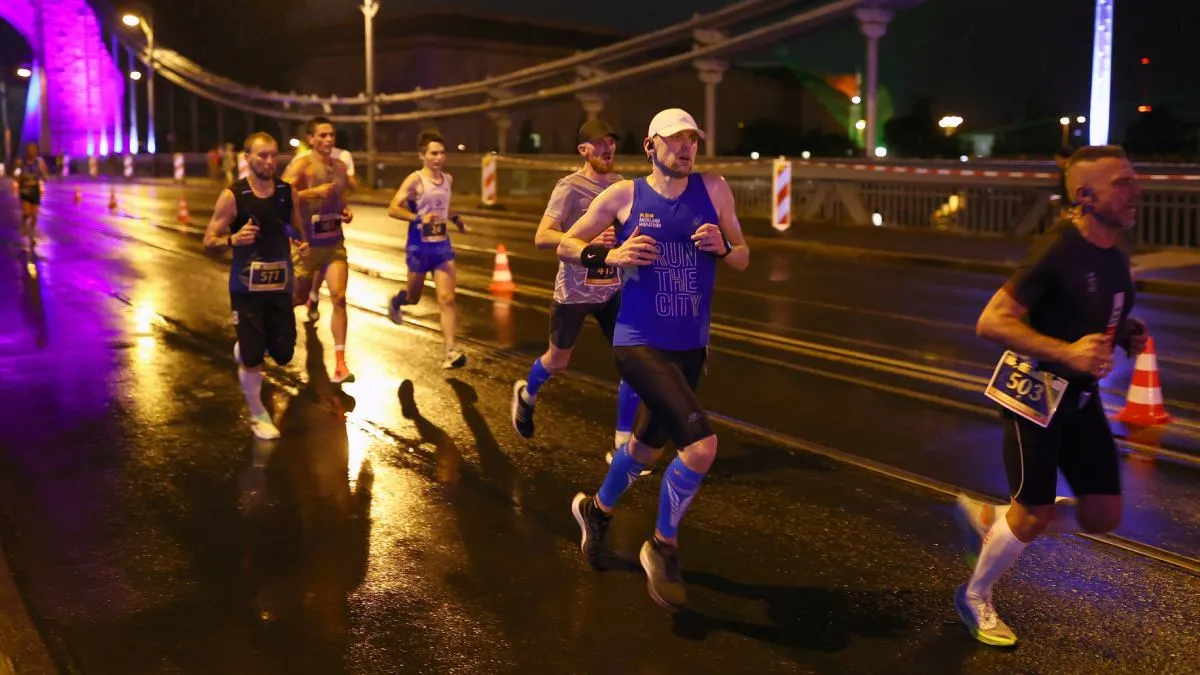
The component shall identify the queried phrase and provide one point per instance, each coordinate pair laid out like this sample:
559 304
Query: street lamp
369 9
24 73
1065 123
1081 119
135 75
950 123
133 21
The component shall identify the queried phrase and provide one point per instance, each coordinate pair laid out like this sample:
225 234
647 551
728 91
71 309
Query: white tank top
434 198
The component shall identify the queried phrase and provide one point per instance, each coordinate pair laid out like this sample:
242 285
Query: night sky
986 60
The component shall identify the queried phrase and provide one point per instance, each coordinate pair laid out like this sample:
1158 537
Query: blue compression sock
679 486
537 377
621 474
627 405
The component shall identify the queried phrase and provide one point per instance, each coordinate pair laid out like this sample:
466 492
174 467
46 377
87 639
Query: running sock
1001 548
679 486
537 377
621 473
339 352
251 381
627 405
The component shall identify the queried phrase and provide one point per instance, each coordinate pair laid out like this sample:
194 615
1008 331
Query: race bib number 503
1019 386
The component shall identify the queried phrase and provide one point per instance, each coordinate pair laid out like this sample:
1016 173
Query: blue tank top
667 305
266 265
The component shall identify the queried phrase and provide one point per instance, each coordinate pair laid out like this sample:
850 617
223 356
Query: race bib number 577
1019 386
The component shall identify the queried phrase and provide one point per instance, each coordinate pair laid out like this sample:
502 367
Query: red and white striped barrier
179 167
66 166
488 181
129 166
781 204
93 166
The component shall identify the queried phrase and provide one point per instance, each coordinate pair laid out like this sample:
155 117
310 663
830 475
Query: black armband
593 256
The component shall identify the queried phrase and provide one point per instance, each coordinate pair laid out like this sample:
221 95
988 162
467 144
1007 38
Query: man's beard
600 165
669 172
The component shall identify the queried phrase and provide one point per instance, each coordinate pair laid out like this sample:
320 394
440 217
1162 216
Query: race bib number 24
1019 386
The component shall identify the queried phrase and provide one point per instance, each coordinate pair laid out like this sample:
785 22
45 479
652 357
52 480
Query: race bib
326 225
433 232
601 276
1019 386
268 276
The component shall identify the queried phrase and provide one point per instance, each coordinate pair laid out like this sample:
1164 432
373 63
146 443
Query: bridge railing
978 197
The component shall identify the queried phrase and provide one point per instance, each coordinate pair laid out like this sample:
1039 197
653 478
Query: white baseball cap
672 121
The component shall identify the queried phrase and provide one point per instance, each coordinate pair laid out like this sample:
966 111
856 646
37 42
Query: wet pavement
409 529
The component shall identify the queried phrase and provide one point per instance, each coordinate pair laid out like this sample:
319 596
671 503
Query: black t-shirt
1073 288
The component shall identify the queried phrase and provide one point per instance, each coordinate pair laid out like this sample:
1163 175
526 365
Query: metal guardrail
977 197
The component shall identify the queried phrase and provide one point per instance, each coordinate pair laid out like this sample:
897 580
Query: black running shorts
265 323
567 320
1078 441
666 382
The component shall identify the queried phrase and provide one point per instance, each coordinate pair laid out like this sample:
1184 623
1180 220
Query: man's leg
414 287
627 398
249 318
565 323
336 275
444 280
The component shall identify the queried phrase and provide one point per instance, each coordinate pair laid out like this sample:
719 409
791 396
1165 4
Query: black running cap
594 130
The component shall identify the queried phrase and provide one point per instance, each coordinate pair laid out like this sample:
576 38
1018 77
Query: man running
318 277
674 226
30 174
578 291
253 217
424 200
1061 314
320 182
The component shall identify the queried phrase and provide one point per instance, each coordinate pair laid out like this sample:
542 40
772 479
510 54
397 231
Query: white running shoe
263 427
454 359
979 614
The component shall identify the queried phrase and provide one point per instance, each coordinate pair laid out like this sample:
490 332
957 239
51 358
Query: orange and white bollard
502 279
488 180
781 203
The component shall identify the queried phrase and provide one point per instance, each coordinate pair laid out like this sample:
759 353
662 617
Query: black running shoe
522 412
665 583
594 525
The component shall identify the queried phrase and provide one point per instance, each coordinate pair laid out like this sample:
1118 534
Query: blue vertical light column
1102 46
133 130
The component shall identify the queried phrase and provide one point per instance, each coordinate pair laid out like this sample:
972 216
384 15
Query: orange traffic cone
112 199
1144 404
502 280
184 216
78 196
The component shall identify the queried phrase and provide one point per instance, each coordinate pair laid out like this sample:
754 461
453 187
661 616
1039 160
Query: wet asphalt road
149 533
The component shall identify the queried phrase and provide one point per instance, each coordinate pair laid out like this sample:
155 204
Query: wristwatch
728 249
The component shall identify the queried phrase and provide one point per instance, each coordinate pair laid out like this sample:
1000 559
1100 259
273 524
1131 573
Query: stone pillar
593 103
503 123
873 23
711 72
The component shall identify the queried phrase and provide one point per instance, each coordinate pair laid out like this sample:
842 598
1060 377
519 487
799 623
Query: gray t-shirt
576 284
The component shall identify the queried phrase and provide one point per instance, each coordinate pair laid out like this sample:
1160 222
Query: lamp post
23 73
133 21
369 9
950 123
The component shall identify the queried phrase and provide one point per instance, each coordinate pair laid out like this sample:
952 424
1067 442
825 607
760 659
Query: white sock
251 381
529 400
1001 548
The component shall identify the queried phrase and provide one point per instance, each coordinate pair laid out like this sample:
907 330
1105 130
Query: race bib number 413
601 276
1019 386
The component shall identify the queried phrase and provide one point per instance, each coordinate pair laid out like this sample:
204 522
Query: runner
320 182
424 200
1065 307
30 174
675 225
253 217
318 278
578 291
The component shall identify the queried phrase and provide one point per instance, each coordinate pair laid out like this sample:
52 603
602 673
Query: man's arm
399 207
738 257
1003 322
549 232
216 235
296 174
576 245
351 179
297 225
